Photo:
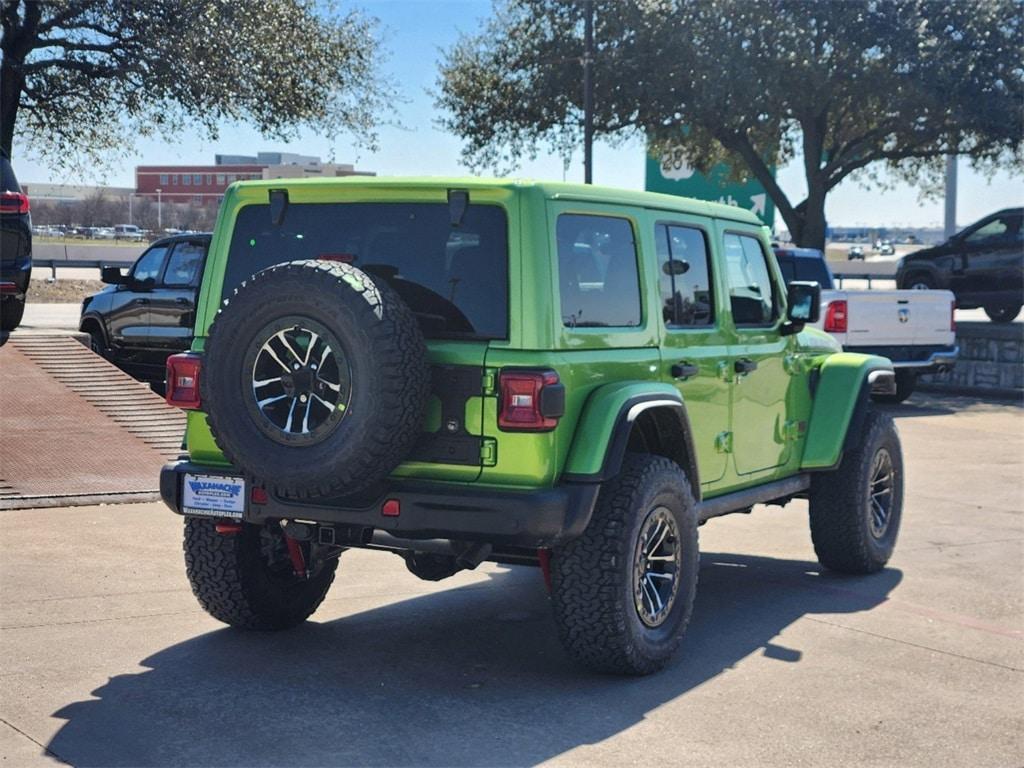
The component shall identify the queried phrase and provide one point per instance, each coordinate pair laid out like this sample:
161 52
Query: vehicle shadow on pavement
469 676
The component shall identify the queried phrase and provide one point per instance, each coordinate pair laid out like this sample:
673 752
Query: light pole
588 92
159 211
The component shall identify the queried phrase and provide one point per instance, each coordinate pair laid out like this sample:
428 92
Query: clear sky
414 32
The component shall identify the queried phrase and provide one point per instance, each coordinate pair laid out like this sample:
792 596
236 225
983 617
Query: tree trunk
12 80
811 233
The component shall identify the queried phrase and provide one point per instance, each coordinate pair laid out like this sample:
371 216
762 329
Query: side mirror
675 267
112 276
803 305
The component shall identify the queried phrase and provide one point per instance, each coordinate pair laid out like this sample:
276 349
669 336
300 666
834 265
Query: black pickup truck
148 314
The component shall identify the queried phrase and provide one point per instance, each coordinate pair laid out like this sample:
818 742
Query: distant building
267 158
69 193
199 184
205 184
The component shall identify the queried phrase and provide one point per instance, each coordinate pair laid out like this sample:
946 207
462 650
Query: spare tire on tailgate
315 379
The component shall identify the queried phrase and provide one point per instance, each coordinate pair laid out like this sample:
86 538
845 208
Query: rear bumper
534 518
915 359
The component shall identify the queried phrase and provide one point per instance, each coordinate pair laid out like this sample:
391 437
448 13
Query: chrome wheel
299 379
656 566
880 493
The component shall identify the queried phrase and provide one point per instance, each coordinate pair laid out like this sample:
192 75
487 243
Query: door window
1005 228
684 274
598 280
184 265
149 263
751 294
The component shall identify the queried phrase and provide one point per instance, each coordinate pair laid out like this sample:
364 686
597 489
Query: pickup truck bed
914 329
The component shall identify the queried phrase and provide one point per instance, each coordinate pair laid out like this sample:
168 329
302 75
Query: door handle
684 370
744 366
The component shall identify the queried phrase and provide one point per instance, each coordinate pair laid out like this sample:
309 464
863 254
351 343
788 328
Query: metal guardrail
52 264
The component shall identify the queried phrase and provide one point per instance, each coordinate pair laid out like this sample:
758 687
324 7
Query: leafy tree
81 78
854 87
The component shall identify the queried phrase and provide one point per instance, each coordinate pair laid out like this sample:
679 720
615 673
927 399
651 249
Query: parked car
147 314
15 247
856 252
914 329
983 265
408 372
886 248
128 232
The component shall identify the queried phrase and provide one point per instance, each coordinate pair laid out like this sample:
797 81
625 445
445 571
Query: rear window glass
454 278
813 270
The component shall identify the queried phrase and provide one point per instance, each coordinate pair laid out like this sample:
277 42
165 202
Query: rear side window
599 285
185 264
685 276
454 279
751 296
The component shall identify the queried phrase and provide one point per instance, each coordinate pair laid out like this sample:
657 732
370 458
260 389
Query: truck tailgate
899 317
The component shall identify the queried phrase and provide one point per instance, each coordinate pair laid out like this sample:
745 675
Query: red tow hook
544 558
295 552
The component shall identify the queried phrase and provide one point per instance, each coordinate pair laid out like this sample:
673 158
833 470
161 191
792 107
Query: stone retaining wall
991 361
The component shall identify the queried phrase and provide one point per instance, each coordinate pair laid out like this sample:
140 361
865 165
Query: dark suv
15 247
148 314
983 266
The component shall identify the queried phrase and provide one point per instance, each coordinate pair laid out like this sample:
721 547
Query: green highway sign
671 174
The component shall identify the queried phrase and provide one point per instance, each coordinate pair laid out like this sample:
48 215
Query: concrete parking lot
106 659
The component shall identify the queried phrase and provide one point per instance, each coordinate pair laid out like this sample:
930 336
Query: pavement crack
942 545
915 645
98 621
42 746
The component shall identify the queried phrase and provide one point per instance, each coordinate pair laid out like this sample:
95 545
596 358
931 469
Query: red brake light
13 202
531 401
183 380
835 316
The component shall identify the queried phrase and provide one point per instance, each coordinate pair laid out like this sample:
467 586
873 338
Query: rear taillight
531 401
13 202
952 315
835 316
183 380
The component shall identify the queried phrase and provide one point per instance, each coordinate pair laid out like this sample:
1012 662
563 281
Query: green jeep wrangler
461 370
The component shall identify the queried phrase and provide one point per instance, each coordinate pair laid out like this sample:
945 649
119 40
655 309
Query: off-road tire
592 576
233 582
390 378
840 503
12 309
1002 313
906 381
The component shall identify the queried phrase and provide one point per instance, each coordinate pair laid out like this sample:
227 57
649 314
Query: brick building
205 184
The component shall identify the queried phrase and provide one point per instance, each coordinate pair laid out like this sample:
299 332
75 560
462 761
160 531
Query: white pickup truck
914 329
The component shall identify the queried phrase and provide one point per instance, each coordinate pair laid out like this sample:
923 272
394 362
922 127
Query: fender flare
841 387
607 420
